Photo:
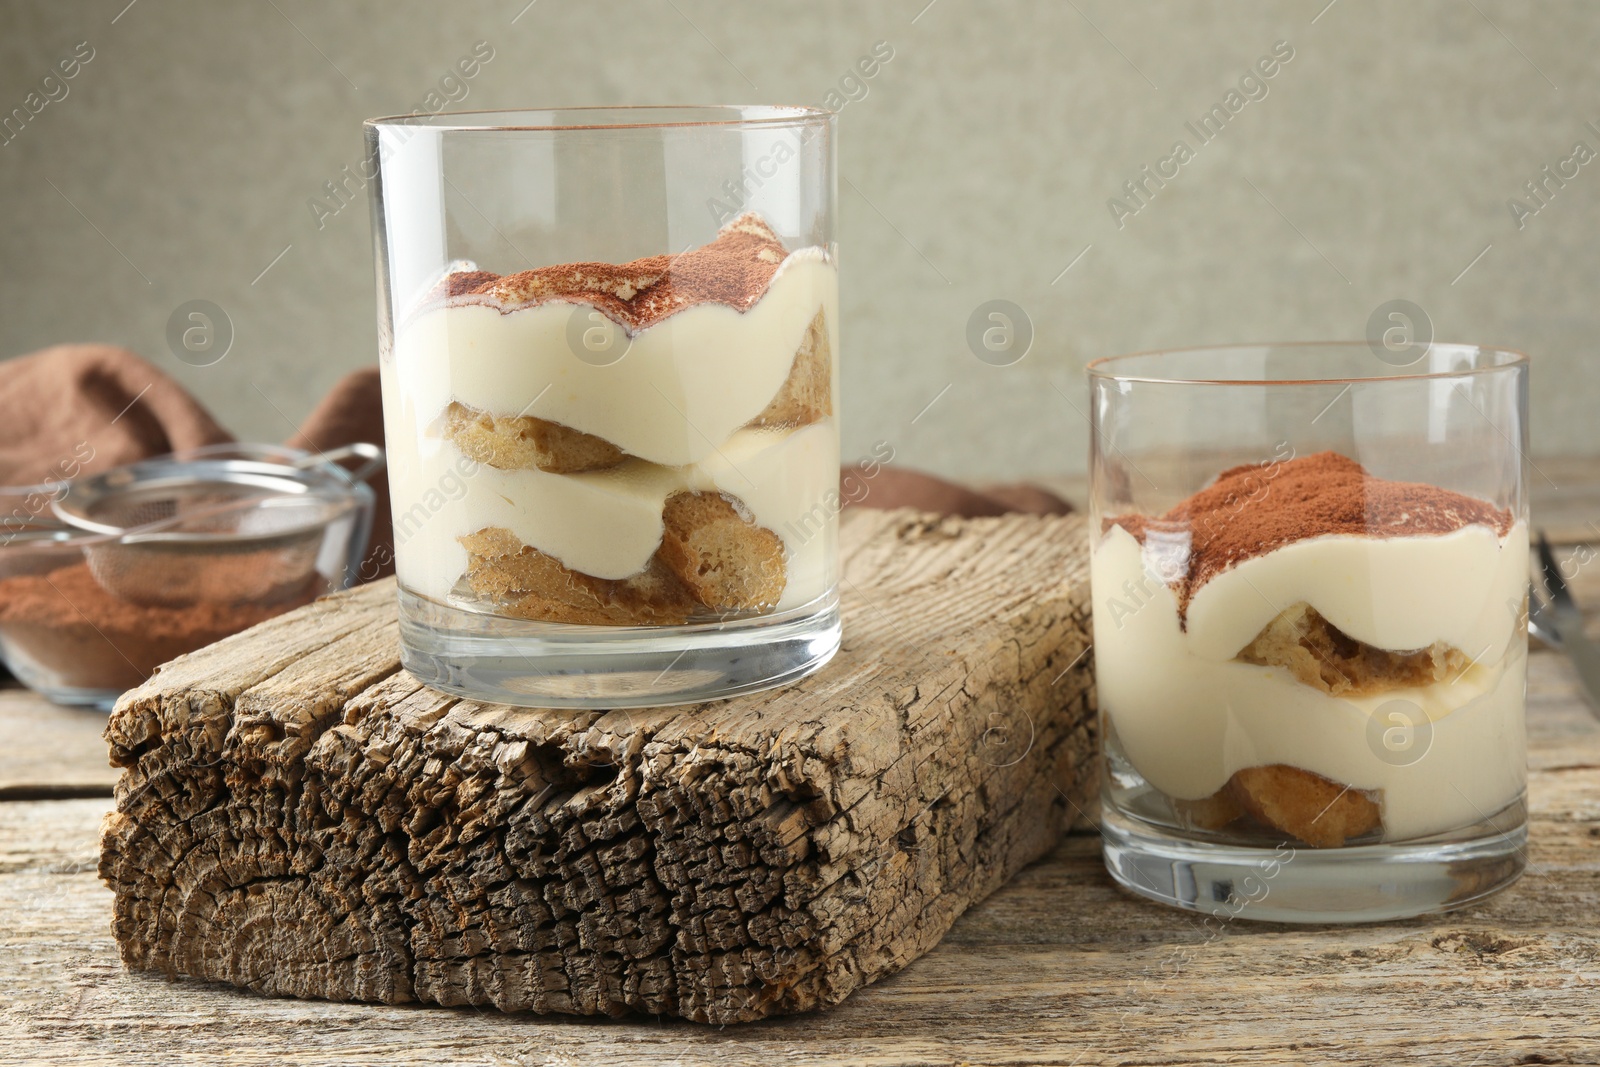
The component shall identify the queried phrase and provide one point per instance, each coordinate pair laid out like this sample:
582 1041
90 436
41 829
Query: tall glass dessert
609 359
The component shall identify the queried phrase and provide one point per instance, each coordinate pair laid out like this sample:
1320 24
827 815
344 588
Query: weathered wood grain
1058 967
301 817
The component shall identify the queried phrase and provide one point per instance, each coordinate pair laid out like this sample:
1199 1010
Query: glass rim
1102 368
346 489
738 115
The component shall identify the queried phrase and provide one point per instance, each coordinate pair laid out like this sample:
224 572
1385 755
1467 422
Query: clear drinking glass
1310 575
609 354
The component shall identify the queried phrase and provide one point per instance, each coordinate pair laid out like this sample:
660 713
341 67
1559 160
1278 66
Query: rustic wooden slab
1058 967
302 817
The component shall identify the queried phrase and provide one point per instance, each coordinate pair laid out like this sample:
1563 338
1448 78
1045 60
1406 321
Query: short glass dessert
1310 571
609 358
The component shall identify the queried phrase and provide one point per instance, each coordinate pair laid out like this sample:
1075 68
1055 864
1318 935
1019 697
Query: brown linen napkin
80 408
353 411
901 487
77 409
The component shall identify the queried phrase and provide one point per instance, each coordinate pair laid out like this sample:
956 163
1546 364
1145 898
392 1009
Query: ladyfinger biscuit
724 559
807 394
521 442
1322 656
1317 810
530 584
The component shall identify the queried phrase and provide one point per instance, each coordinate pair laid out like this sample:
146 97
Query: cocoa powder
735 269
1253 509
66 626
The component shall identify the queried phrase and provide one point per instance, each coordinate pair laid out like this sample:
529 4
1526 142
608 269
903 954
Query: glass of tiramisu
609 349
1310 574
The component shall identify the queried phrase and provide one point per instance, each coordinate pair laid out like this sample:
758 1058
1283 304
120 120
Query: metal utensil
1540 624
1579 650
230 523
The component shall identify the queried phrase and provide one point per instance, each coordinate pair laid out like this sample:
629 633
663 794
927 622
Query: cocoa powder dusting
735 269
1252 510
66 625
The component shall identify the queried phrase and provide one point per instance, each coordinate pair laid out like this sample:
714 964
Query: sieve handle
371 453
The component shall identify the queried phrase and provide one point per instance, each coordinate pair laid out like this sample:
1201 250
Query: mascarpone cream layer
604 523
1188 715
683 387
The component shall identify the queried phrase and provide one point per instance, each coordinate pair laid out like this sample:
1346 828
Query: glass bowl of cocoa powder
105 578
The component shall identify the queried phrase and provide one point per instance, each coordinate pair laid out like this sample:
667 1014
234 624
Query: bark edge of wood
298 816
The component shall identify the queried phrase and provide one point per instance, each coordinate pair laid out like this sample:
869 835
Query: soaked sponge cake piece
807 394
1317 810
1303 805
522 442
727 561
526 583
1320 655
1297 803
713 560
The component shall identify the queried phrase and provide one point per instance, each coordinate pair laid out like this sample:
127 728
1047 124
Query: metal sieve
224 524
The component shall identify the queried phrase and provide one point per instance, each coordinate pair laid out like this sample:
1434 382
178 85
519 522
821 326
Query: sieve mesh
219 528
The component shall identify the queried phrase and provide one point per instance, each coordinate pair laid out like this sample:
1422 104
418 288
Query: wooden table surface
1058 967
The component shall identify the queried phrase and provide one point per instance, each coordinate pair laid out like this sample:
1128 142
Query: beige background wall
978 165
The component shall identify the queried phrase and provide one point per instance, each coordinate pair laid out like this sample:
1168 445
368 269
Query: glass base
553 665
75 697
51 684
97 699
1299 884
